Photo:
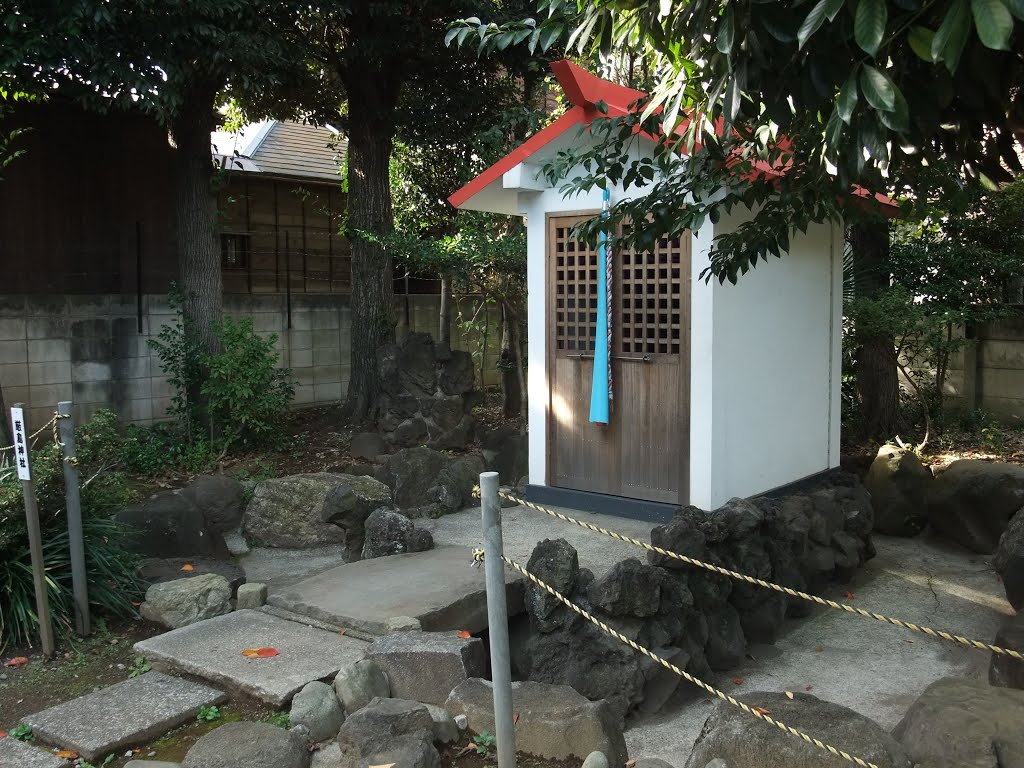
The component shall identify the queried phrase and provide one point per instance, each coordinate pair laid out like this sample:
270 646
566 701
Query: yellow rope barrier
760 714
37 433
935 633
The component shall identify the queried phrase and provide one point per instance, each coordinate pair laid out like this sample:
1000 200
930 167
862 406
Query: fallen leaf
187 567
808 687
762 711
819 649
849 595
342 631
905 640
752 657
382 765
789 694
630 763
67 754
464 635
17 661
515 719
3 734
466 750
737 681
260 653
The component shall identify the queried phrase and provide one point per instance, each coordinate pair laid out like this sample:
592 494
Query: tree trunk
444 328
875 359
512 395
371 104
195 205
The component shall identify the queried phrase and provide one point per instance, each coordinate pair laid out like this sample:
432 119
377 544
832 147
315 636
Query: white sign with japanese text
20 444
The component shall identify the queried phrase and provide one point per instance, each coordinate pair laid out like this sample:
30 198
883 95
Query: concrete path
15 754
122 715
523 528
439 587
212 650
279 568
873 668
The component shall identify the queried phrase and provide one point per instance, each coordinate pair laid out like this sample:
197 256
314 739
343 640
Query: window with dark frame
234 251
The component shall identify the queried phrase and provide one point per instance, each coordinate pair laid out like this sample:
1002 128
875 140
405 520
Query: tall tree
835 93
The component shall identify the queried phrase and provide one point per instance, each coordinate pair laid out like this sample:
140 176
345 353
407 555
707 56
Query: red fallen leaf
67 754
515 719
187 567
737 681
3 734
849 595
260 653
762 711
17 661
464 635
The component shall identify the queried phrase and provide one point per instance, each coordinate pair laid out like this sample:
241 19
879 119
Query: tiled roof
281 148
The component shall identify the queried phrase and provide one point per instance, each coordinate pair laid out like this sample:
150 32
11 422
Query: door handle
644 359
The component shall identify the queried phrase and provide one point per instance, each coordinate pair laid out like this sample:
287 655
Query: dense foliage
113 584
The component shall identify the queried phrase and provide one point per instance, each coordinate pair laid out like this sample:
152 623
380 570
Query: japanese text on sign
20 444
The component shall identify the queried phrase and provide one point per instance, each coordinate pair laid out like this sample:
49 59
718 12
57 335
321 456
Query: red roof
584 90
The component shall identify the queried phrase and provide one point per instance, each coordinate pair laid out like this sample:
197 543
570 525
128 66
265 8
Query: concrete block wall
989 372
91 350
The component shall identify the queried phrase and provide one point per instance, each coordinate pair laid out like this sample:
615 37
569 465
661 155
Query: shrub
111 570
239 394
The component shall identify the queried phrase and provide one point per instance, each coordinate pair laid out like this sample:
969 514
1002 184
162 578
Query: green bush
112 571
239 394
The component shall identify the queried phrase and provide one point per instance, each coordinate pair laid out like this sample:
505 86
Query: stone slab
438 587
122 715
15 754
212 650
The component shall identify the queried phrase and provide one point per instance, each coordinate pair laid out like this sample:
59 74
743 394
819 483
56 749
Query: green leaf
1016 8
869 24
549 34
920 39
899 118
727 31
813 22
848 97
951 37
993 22
833 8
878 89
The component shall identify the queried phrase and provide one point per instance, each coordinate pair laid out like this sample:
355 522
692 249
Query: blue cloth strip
599 392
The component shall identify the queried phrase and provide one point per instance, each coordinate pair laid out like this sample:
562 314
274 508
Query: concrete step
122 715
15 754
438 587
212 650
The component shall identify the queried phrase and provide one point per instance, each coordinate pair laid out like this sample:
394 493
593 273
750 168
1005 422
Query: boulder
360 683
170 524
328 756
506 452
288 512
653 762
596 760
445 729
185 601
555 722
971 503
390 731
426 666
156 571
682 535
410 473
555 562
251 596
316 707
457 374
726 644
456 438
349 504
958 722
733 736
1009 560
629 588
248 745
368 445
453 487
736 519
410 432
388 532
1005 671
898 483
221 500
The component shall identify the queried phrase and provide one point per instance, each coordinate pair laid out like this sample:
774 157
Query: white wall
775 370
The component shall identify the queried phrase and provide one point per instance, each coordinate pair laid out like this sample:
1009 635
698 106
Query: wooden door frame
685 358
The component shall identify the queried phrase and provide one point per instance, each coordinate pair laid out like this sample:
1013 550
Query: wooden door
643 452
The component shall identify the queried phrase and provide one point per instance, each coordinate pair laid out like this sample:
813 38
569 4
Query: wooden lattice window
575 272
649 296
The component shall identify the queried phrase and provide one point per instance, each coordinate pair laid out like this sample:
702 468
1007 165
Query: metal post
79 580
23 460
497 620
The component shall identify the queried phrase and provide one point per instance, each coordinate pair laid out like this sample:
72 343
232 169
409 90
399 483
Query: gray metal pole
35 539
497 620
79 579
